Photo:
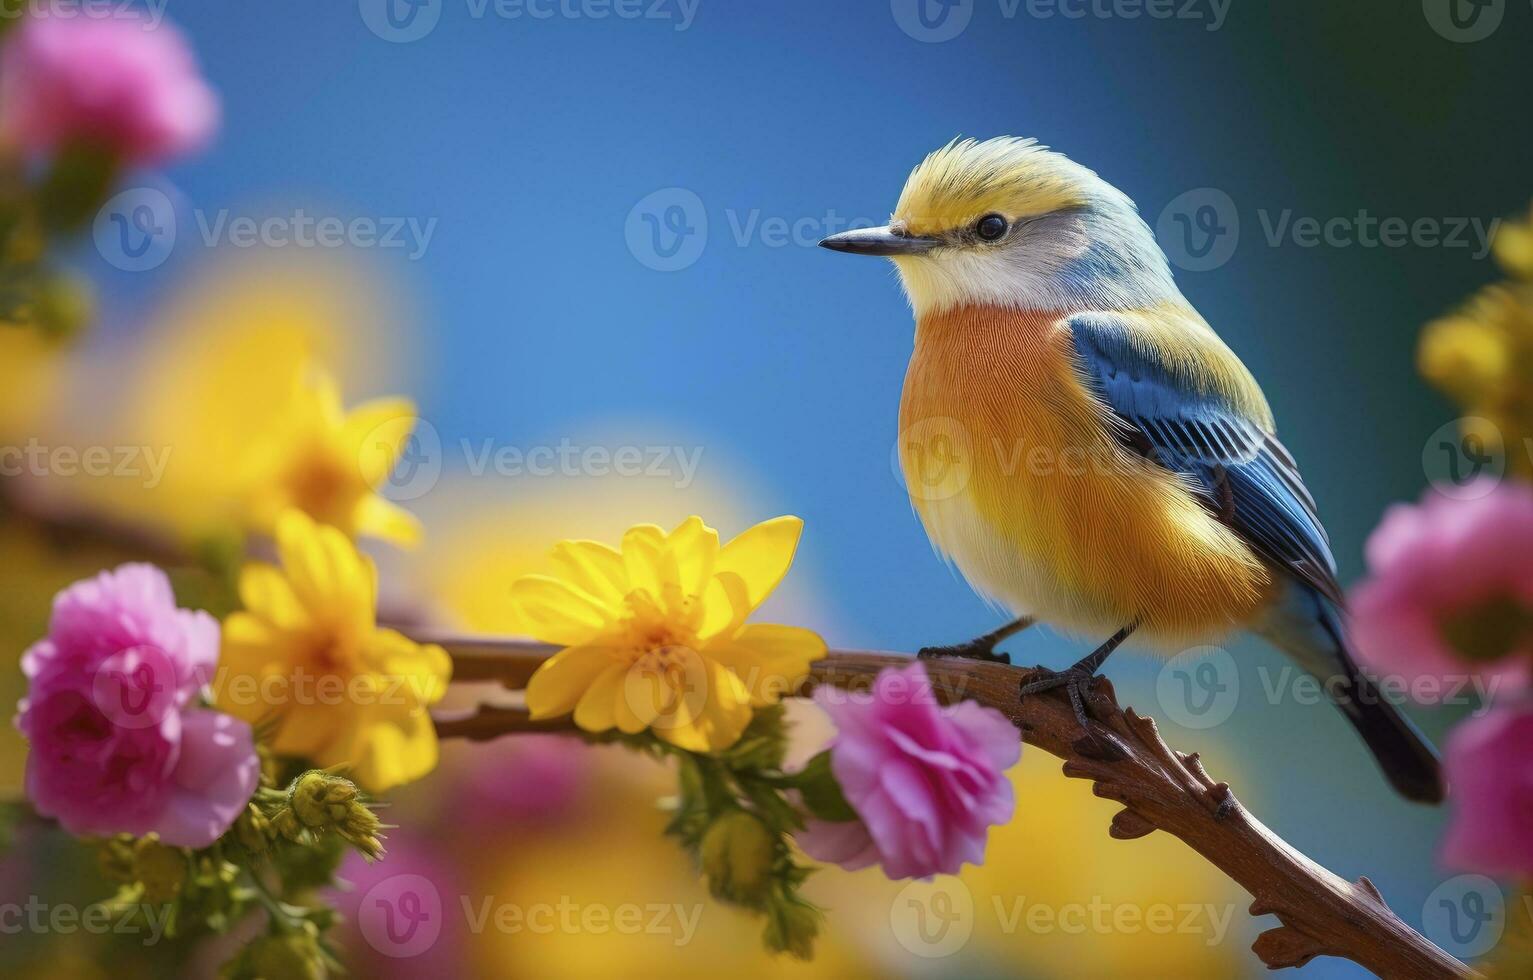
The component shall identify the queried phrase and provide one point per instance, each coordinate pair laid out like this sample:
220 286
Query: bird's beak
879 241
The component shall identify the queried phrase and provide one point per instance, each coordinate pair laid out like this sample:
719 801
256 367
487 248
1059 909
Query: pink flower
927 782
117 743
115 82
527 780
1490 778
403 916
1450 588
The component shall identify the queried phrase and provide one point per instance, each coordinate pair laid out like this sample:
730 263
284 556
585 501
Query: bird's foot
1077 682
982 649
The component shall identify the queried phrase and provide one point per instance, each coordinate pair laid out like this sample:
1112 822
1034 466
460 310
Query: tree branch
1125 758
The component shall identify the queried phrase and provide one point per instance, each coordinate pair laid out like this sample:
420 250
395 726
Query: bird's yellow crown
1008 175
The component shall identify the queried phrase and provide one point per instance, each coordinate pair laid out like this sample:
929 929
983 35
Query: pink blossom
1490 779
114 82
527 780
1450 588
402 916
118 744
927 782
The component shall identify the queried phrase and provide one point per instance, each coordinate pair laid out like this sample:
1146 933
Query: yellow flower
1482 358
655 634
328 462
307 658
1513 246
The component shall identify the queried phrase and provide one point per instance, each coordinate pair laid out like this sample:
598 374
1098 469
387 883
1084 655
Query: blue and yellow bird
1120 470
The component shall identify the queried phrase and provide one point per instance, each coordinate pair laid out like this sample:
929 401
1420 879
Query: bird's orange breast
1018 478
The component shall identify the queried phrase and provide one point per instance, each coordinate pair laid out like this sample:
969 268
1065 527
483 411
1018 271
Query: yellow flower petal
375 517
647 695
555 611
761 556
643 544
265 591
594 568
771 660
726 604
378 433
596 711
690 553
558 683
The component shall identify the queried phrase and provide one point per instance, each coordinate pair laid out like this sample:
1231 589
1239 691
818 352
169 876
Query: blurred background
581 235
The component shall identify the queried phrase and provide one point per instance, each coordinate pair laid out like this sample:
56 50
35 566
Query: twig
1126 760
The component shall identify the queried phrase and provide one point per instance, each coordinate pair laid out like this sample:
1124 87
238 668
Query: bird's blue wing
1240 470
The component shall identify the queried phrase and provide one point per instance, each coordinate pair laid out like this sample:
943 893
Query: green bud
295 954
318 801
252 830
737 854
161 869
791 928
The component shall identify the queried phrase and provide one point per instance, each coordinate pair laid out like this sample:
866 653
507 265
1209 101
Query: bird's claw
1076 682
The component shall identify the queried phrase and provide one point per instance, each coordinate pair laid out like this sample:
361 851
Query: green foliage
734 816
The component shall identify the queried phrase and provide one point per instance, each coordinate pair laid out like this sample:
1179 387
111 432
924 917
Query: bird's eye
990 227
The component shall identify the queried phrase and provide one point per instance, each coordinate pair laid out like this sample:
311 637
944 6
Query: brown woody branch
1123 755
1319 913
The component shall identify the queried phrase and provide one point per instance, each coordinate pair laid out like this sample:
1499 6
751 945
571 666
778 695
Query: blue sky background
529 142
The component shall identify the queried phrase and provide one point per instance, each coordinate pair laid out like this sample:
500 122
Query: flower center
319 484
656 636
1489 630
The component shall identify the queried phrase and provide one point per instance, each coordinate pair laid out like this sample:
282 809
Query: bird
1088 452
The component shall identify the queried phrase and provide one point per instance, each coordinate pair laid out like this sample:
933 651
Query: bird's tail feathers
1319 642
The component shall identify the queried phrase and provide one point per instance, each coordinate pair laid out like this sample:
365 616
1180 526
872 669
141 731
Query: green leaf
821 793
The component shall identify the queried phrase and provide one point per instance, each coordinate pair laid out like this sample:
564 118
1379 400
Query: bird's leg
1077 679
981 647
